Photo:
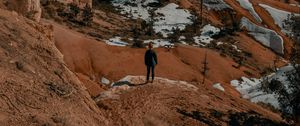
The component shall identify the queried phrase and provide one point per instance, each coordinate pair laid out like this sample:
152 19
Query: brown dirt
162 103
36 87
95 59
39 88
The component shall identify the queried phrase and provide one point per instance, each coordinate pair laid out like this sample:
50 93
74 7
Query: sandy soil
36 88
45 85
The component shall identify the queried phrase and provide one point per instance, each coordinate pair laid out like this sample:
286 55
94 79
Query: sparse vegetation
70 13
289 91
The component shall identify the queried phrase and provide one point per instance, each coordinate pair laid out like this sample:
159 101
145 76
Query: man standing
150 61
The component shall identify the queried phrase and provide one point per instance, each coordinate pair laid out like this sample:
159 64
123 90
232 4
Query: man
150 61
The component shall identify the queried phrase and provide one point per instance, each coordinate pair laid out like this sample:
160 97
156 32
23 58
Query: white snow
206 33
215 4
170 17
209 30
279 16
236 48
104 81
182 37
159 43
265 36
134 8
165 19
116 41
150 1
202 40
220 43
219 86
252 88
246 4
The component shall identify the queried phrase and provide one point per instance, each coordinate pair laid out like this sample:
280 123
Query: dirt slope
95 60
166 103
36 88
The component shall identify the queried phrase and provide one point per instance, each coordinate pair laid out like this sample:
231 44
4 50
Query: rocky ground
51 72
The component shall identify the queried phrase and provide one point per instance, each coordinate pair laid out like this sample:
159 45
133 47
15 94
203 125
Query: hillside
36 86
81 62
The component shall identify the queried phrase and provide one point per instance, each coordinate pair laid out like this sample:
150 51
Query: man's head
150 45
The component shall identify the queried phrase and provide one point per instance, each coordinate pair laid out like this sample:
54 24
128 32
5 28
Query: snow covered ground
206 33
279 16
252 88
134 8
171 17
265 36
166 18
116 41
159 43
246 4
215 4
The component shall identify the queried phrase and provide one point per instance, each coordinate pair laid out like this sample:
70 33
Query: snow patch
206 33
265 36
116 41
134 8
165 19
219 86
169 18
159 43
279 16
104 81
246 4
252 88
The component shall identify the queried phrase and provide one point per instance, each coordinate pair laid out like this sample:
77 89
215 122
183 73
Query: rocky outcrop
36 88
28 8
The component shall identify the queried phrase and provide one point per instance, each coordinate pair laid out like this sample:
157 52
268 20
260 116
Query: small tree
74 10
174 36
204 68
136 41
87 15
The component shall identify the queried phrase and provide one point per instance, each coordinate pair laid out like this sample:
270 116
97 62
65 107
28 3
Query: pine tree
87 15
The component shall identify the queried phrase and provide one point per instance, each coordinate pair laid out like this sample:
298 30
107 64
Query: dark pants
148 72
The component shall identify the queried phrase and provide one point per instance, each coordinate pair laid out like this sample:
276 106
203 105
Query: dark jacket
150 58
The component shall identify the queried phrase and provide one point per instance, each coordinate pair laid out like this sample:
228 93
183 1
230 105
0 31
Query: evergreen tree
289 91
87 15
